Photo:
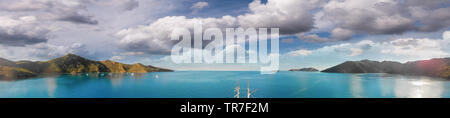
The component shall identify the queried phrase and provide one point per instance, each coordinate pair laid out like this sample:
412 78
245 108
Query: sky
313 33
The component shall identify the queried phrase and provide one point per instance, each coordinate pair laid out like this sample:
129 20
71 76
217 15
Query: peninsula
438 67
69 63
305 69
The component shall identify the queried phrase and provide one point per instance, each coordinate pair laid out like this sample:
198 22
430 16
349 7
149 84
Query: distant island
438 67
69 63
310 69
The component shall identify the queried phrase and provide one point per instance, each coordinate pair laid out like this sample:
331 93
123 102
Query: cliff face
69 64
435 67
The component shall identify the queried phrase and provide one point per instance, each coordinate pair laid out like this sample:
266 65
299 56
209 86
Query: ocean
223 84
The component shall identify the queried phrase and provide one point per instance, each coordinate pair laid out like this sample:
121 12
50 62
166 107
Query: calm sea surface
222 84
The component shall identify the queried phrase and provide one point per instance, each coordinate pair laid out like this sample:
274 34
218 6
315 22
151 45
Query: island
437 67
69 63
310 69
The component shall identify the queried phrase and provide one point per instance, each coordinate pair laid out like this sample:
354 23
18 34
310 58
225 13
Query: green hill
439 67
69 63
75 64
5 62
117 67
12 73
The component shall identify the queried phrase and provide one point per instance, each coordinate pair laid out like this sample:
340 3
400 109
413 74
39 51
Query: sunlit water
221 84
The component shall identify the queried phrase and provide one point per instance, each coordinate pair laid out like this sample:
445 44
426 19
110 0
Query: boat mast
248 88
249 93
237 90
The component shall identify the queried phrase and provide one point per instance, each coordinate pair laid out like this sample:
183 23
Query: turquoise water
221 84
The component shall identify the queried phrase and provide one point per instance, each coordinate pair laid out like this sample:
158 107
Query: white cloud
291 16
356 51
199 5
63 10
396 49
446 35
383 16
312 38
28 23
341 34
155 38
117 58
346 17
24 30
399 49
302 52
417 47
43 51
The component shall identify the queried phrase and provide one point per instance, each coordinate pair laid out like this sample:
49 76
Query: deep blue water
221 84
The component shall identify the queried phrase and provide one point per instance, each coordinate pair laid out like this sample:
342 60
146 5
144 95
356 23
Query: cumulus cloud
416 47
385 16
20 31
25 22
341 34
155 38
346 17
63 10
291 16
396 49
